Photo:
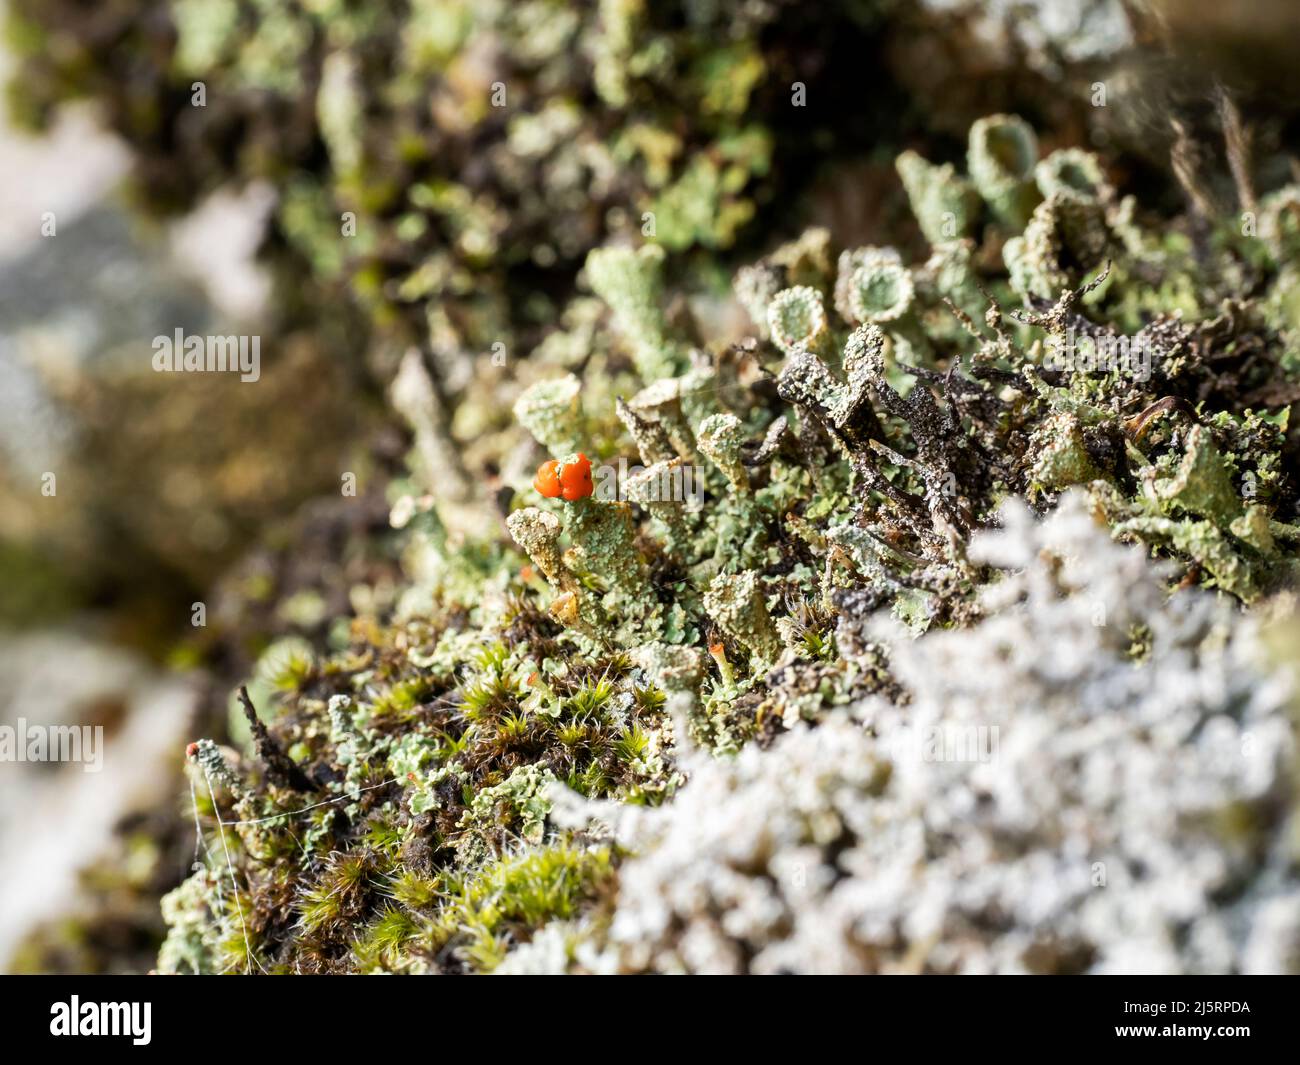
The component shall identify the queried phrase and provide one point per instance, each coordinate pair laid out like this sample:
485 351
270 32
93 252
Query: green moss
507 900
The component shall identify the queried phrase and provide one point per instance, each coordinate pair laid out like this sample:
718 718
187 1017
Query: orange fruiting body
567 480
547 481
575 478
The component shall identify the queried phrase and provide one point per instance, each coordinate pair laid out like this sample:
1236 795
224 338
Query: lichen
851 575
1027 481
1001 819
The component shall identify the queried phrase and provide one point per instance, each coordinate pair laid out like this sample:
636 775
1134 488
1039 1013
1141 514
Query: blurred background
160 485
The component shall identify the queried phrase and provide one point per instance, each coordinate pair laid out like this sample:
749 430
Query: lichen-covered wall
899 689
740 595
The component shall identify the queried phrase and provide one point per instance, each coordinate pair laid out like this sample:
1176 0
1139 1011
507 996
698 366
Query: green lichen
631 282
944 203
720 437
1061 454
876 422
736 602
796 320
1001 157
551 411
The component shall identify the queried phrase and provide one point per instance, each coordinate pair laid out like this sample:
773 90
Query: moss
509 899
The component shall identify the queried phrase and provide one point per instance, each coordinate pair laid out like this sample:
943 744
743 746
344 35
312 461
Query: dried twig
1184 158
278 764
1237 139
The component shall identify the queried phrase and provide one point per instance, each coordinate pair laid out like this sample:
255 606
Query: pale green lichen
649 436
1066 237
1061 456
945 204
850 261
604 543
631 282
1001 157
1279 224
551 411
804 262
523 792
736 602
1072 174
659 489
720 437
215 769
796 320
882 293
662 403
1201 485
538 533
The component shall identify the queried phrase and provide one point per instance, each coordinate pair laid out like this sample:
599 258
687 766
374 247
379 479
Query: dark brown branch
279 766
